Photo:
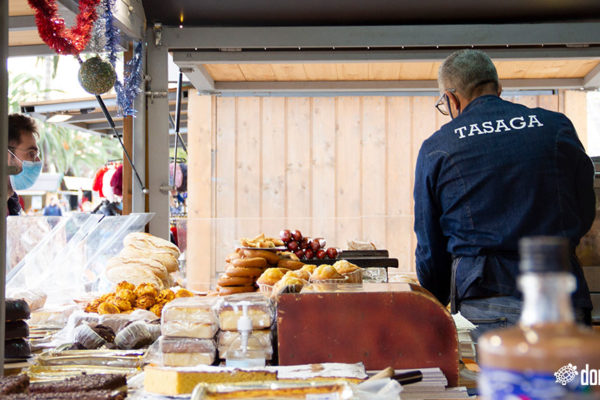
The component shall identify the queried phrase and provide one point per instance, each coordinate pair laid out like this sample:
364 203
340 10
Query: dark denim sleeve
432 259
575 156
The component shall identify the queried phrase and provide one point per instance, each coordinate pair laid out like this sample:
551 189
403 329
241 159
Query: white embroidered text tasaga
499 126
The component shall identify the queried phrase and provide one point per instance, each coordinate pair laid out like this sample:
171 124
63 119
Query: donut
232 256
271 257
253 262
225 290
290 264
243 272
226 280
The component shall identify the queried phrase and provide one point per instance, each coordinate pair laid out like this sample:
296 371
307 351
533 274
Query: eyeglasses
30 154
442 103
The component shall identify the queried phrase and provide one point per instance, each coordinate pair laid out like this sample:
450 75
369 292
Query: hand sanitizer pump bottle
245 351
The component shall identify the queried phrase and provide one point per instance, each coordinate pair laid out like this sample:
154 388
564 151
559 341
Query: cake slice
176 381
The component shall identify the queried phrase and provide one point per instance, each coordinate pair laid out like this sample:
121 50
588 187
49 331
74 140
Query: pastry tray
44 373
104 358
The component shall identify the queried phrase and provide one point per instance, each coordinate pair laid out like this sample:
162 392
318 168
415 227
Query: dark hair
19 123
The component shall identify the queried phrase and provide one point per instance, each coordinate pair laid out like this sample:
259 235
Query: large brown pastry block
87 395
14 384
81 383
383 325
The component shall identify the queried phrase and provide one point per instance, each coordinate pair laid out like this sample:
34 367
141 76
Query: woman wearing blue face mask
22 145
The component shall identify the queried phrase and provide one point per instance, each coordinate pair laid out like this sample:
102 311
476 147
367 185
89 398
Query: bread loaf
155 267
145 241
165 258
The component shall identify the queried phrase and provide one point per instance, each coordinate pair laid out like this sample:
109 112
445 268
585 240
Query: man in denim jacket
497 172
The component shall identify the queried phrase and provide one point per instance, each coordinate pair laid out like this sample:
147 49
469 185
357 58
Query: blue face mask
27 177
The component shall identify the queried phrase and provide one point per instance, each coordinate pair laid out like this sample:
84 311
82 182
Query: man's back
496 173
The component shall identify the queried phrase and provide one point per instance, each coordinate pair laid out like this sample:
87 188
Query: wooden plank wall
337 167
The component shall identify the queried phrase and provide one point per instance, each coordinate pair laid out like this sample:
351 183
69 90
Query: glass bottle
547 355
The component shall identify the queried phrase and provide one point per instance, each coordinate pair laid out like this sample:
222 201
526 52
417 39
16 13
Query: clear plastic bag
117 322
261 311
325 390
194 317
261 340
69 260
182 352
136 335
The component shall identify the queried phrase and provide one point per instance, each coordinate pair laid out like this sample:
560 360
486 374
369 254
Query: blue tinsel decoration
132 79
113 34
127 92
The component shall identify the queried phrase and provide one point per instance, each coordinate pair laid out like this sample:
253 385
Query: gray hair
465 70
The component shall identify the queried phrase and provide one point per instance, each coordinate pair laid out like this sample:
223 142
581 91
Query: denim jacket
496 173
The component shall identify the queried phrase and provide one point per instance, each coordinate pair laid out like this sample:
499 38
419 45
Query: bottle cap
541 254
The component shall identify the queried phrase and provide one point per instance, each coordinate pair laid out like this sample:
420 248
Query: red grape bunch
306 248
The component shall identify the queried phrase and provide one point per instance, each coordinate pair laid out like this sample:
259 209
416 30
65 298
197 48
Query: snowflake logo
566 374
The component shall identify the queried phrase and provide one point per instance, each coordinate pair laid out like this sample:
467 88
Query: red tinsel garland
52 28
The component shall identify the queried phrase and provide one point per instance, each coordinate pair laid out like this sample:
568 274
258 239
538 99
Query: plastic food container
354 276
338 281
264 288
352 272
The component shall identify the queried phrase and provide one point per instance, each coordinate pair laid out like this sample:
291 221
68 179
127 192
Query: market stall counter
297 330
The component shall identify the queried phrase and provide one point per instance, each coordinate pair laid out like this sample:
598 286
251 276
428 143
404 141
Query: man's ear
499 89
453 98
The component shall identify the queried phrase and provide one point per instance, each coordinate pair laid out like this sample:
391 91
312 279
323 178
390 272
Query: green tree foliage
64 150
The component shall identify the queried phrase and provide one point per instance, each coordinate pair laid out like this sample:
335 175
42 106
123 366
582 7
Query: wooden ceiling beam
592 79
394 36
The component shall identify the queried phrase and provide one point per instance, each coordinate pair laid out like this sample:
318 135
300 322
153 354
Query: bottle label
497 384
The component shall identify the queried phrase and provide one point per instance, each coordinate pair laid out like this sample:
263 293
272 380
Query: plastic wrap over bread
260 310
194 317
137 335
263 338
182 352
114 321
